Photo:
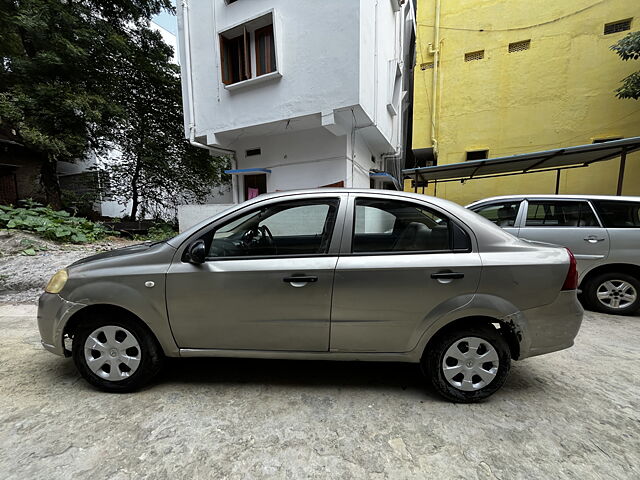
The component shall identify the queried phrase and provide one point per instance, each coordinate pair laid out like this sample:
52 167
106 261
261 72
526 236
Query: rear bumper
551 327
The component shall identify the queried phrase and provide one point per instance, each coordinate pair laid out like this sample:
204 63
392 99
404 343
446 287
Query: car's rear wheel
613 293
468 364
116 355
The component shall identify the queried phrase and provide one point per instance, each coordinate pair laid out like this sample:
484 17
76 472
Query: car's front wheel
614 293
115 355
468 364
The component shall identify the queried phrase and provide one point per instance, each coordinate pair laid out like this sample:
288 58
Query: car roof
553 196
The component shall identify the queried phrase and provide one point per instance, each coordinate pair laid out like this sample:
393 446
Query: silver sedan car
332 274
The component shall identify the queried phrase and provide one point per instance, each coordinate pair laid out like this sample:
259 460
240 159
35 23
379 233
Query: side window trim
581 201
521 217
334 240
519 214
595 213
346 246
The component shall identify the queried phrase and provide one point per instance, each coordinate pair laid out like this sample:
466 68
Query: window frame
476 151
596 206
628 21
350 222
525 208
334 234
256 35
249 31
516 221
244 61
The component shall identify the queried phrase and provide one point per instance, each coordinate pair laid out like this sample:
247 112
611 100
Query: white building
300 93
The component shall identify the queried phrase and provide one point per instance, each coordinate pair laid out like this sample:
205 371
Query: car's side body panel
134 282
377 307
245 304
381 302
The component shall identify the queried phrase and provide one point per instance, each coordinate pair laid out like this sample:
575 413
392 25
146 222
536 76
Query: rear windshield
618 214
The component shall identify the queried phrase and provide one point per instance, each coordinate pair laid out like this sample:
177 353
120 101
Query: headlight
57 282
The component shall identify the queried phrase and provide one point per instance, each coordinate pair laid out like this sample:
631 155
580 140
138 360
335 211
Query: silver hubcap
112 353
471 363
616 294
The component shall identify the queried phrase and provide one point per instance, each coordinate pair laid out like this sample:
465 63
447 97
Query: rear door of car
571 223
401 262
621 218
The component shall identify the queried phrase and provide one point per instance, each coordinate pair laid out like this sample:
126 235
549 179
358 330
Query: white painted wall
190 215
317 44
324 116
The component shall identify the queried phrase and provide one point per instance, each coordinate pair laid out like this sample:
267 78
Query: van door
570 223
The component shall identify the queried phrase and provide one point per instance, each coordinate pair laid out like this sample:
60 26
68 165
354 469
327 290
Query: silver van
603 232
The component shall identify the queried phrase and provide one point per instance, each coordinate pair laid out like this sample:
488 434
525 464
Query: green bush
158 232
51 224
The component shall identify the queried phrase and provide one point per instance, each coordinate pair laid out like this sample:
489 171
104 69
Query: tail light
571 281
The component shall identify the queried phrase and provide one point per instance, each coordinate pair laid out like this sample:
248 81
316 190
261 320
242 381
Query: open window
248 48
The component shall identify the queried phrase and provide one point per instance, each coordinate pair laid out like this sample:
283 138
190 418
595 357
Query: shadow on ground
297 374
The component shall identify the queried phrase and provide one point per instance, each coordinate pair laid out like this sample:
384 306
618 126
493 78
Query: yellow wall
558 93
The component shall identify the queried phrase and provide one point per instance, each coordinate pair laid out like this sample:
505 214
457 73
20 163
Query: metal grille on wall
471 56
519 46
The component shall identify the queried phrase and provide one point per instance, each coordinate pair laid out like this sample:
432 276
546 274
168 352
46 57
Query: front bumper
551 327
53 314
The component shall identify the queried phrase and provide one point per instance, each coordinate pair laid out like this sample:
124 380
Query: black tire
590 293
151 356
432 363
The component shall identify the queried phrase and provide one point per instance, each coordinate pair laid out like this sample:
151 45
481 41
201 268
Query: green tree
157 168
628 48
58 93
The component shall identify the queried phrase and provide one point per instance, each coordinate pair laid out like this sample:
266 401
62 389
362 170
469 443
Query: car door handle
300 280
447 275
593 239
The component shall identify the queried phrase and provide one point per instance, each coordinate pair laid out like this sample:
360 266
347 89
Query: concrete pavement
572 414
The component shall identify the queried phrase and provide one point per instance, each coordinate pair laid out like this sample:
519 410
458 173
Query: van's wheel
614 293
115 355
467 365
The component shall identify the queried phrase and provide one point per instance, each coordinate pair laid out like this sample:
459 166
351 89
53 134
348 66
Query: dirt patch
27 262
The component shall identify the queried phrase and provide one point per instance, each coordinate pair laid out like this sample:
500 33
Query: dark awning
560 158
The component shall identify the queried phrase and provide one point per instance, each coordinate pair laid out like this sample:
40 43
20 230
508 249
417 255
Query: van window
617 214
544 213
502 214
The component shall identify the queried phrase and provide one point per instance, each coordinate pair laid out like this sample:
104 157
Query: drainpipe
434 48
191 104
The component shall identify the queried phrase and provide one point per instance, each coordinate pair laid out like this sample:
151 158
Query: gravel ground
23 277
572 414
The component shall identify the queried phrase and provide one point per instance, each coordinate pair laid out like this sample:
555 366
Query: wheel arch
628 268
89 311
506 329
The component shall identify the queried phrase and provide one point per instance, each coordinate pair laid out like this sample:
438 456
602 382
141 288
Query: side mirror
197 252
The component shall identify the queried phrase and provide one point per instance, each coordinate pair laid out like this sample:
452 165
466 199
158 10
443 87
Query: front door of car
570 223
405 264
266 283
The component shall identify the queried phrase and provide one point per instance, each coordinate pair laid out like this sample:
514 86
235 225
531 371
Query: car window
542 213
394 226
502 214
286 228
616 214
